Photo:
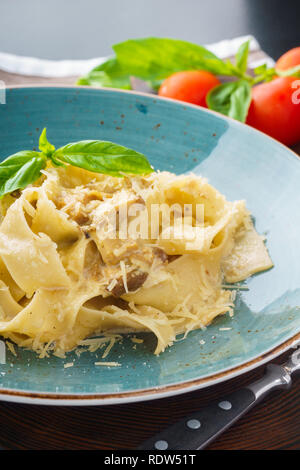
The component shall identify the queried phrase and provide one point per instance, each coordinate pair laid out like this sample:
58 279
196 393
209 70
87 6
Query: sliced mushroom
161 254
135 279
172 258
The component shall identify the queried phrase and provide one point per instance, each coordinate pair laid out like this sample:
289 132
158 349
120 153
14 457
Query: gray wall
87 28
58 29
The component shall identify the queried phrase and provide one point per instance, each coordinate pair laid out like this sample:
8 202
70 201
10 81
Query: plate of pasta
147 247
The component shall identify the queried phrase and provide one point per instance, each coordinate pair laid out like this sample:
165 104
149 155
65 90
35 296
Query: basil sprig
109 74
44 145
242 56
104 157
232 99
24 168
154 59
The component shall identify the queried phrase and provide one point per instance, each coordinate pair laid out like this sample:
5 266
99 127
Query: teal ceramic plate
243 164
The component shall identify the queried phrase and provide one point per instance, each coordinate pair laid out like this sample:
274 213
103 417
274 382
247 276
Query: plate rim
155 97
162 391
153 393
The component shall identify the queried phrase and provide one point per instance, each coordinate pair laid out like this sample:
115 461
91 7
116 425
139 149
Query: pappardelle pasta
64 278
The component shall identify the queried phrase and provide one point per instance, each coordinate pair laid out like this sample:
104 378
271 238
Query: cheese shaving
108 364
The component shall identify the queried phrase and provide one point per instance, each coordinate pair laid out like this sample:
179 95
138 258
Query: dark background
81 29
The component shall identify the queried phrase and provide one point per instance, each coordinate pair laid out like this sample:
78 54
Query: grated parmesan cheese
137 340
124 275
11 348
108 364
112 284
68 364
96 343
109 347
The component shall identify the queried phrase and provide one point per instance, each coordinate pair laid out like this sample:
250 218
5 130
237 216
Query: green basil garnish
104 157
109 74
19 170
24 168
45 146
153 60
293 72
241 57
232 99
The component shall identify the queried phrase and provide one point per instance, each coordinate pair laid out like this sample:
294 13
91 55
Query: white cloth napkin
65 68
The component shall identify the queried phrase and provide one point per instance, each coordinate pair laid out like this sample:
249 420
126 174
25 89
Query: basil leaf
232 99
108 74
263 73
241 57
44 145
19 170
153 60
260 69
156 58
47 148
104 157
23 168
292 72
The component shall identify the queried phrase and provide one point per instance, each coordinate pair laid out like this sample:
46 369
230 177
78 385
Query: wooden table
274 424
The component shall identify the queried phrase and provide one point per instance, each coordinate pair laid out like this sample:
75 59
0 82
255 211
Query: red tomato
191 86
275 109
289 59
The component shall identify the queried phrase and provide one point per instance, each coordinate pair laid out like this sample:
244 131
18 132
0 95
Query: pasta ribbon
64 278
